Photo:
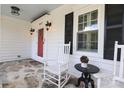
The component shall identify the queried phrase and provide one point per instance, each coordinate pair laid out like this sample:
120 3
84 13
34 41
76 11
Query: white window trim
84 10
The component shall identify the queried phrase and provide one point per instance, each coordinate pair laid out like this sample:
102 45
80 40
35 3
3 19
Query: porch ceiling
28 12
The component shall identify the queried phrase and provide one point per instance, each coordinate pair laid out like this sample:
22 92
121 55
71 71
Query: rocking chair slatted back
64 53
119 66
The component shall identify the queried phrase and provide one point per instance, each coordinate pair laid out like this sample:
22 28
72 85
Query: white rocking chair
118 73
56 70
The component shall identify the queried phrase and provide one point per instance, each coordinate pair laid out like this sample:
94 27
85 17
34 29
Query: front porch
28 73
36 39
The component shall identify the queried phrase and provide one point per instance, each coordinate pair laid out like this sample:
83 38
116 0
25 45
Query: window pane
80 37
80 27
94 40
84 37
93 22
88 17
82 46
94 15
88 23
80 19
85 25
85 18
93 45
94 36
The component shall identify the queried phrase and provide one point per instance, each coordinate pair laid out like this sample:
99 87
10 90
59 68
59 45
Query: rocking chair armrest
47 60
61 65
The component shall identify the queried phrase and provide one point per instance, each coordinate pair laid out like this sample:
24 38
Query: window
87 36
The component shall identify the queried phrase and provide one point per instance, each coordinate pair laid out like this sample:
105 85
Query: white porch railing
119 66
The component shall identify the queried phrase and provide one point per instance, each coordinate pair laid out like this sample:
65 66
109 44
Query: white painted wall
15 39
56 34
0 31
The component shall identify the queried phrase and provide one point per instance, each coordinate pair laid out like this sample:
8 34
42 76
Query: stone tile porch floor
27 73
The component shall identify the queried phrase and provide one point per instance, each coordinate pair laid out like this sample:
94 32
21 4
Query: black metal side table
86 74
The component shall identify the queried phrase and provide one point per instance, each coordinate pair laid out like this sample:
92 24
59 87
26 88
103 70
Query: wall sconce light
48 25
32 30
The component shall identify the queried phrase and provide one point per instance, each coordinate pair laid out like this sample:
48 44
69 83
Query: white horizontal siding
15 39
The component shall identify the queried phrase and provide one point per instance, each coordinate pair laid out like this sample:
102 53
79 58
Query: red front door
40 43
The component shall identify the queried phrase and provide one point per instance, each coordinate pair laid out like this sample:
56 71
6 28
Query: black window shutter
69 29
113 29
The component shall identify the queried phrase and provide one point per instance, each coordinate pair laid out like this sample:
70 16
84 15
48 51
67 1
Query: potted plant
84 61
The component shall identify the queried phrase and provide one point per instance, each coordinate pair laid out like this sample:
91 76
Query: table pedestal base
86 78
